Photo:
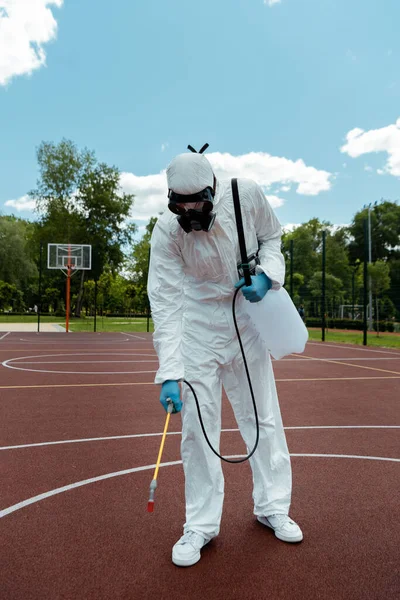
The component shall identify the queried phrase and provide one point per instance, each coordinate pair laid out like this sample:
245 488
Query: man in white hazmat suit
192 278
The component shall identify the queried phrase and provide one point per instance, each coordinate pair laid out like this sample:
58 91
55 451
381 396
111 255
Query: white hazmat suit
191 286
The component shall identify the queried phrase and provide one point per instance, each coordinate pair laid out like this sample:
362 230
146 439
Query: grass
125 324
27 319
385 340
132 325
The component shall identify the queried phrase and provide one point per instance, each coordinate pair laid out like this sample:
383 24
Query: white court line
98 362
77 484
333 359
136 336
8 364
72 342
5 335
81 372
346 347
84 362
146 435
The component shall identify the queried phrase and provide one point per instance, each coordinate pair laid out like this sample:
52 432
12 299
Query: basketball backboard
74 256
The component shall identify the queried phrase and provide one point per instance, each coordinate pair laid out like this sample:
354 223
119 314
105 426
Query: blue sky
301 95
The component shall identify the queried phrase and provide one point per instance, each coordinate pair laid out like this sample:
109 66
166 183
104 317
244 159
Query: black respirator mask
194 211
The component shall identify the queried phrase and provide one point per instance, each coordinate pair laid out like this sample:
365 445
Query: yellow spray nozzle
153 484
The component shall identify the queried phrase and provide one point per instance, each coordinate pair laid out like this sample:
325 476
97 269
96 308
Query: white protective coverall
191 287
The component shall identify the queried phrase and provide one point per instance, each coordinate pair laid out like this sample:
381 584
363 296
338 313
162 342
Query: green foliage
333 285
380 277
337 258
306 242
387 309
16 263
50 299
11 298
298 281
394 291
385 231
307 252
138 265
81 203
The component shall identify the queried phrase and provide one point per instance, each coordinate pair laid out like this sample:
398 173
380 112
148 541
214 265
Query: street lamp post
323 302
365 341
369 278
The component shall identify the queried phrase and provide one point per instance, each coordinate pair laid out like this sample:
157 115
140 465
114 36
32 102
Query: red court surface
80 428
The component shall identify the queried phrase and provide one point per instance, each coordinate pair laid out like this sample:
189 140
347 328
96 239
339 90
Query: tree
337 256
81 203
394 291
385 231
306 244
51 298
10 297
307 249
333 286
138 265
16 265
298 282
387 309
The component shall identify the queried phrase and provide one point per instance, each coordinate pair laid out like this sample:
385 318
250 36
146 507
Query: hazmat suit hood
191 191
189 174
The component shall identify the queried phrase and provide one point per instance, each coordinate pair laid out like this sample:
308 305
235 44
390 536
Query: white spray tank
277 320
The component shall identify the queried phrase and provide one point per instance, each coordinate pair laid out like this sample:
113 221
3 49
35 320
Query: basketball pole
69 258
68 289
67 299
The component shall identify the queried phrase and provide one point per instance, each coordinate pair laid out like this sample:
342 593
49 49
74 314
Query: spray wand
153 484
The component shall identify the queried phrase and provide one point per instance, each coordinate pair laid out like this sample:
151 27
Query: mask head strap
203 149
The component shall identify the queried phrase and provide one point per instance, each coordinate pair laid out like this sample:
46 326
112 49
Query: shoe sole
188 563
292 540
185 563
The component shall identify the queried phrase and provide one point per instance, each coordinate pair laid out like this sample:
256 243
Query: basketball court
80 429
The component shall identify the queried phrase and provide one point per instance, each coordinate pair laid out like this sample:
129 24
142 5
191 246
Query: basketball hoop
69 258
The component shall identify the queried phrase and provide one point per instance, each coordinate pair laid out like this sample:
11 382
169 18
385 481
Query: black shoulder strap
239 226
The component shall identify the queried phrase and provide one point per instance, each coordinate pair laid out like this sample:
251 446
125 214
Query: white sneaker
186 551
285 529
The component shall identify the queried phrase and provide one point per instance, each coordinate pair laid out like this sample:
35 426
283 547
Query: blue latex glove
171 389
260 284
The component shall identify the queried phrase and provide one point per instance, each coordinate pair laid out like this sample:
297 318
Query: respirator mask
195 211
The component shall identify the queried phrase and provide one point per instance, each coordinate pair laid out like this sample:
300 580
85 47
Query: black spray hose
240 460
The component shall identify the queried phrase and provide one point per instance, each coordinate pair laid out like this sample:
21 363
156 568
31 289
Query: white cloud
268 170
151 190
23 203
275 201
290 226
385 139
164 146
25 26
150 193
271 2
368 168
